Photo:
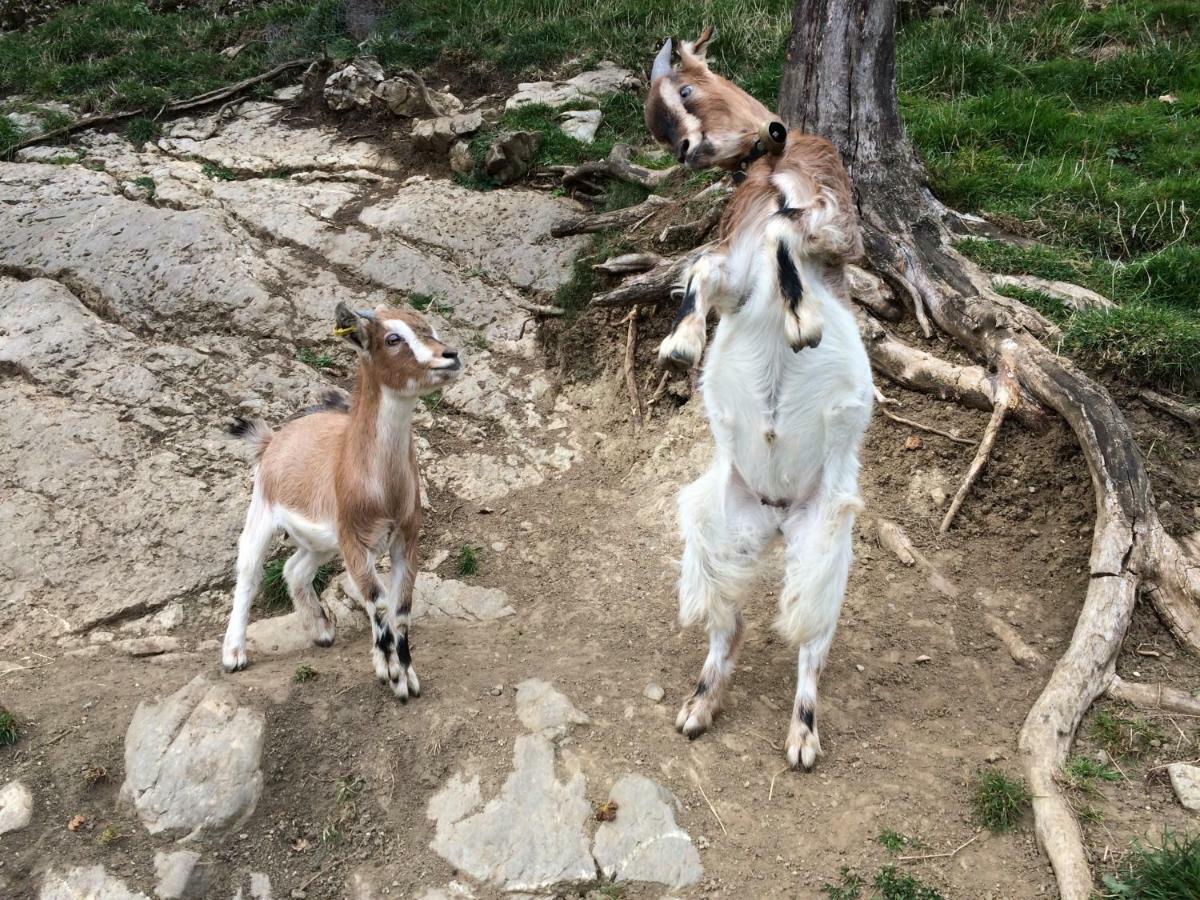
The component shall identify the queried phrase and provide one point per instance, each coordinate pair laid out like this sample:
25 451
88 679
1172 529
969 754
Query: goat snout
683 150
450 359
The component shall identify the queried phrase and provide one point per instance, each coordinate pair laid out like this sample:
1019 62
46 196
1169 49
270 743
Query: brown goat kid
344 480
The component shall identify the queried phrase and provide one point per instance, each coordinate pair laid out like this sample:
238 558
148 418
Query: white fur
787 427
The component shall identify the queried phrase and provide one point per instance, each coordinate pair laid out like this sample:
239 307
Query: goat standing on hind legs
786 385
345 481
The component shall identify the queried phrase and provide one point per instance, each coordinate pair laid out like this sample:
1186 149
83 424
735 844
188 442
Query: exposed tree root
205 99
1129 544
1020 651
1006 398
628 264
1071 295
1153 696
1181 411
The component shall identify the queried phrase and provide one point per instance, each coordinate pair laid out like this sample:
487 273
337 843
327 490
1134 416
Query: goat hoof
324 641
803 748
234 660
414 683
400 689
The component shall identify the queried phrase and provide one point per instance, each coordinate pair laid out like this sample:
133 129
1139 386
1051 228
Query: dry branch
628 263
1172 407
651 286
1006 398
537 309
1020 651
618 218
921 427
208 97
635 398
619 165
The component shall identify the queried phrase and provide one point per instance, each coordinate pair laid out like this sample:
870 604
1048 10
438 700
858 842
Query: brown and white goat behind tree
786 384
344 479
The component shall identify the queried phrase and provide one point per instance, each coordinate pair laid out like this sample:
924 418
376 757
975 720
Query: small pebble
654 692
497 690
860 667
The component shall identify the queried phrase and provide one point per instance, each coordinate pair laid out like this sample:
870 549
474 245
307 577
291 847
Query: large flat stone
191 760
86 883
1185 780
546 711
643 843
528 837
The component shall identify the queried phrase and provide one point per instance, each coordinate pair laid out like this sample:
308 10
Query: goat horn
662 62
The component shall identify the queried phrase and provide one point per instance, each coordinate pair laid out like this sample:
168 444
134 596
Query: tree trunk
840 83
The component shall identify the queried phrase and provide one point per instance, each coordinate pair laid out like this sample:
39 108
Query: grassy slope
1044 116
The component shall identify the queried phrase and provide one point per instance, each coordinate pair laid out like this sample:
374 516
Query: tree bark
840 83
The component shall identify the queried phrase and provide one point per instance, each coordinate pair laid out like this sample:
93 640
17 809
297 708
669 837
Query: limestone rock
654 693
528 837
174 872
445 598
16 807
403 97
643 843
86 883
191 760
580 124
461 160
545 710
436 135
148 646
606 79
1185 779
354 85
511 155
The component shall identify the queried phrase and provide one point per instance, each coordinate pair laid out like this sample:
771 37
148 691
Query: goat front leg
725 529
367 589
683 348
818 554
404 575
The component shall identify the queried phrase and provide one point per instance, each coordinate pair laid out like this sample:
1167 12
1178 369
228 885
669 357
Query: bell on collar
773 135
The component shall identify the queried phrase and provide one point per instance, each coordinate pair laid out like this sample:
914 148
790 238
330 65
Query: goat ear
353 325
694 52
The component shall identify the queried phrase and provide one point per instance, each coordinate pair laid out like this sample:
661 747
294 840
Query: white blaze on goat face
786 383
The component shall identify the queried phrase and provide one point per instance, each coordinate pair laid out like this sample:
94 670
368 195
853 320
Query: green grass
310 357
432 401
1082 772
892 841
275 597
10 731
468 561
1124 736
218 172
1170 871
140 130
431 303
304 674
998 801
889 884
146 183
1047 119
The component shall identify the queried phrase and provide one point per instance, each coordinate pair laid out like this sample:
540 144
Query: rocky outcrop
86 883
642 842
191 760
353 85
16 807
510 156
603 81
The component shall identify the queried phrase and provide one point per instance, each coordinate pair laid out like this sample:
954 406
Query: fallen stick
949 855
630 369
929 428
710 804
660 390
1006 389
618 218
213 96
537 309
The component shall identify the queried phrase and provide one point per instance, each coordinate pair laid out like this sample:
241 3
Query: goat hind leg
724 532
253 546
299 572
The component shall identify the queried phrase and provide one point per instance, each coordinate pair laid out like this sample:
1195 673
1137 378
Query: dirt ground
587 561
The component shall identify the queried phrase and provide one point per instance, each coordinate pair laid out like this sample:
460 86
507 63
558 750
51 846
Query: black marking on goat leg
701 688
402 651
383 636
687 307
807 717
789 277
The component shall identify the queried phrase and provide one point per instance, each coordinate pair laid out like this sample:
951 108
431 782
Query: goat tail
256 431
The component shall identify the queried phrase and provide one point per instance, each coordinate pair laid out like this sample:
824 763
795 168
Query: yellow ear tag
342 332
